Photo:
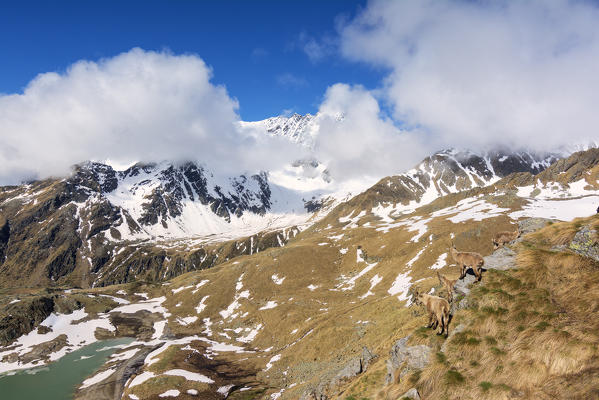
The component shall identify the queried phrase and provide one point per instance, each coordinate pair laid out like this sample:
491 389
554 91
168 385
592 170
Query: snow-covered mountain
107 225
298 128
445 172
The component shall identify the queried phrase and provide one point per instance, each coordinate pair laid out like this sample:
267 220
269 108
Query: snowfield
557 202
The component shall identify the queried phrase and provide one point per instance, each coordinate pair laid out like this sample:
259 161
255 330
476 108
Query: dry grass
557 234
530 332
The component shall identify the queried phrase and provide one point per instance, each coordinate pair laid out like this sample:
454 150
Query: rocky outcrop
139 325
501 259
24 316
4 237
532 224
404 358
586 243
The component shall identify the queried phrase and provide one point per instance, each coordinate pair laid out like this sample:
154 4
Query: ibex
466 259
438 309
449 284
501 238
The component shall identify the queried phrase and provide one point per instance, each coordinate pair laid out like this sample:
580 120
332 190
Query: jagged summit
298 128
445 172
173 200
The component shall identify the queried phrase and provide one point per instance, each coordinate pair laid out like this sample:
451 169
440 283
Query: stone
349 370
532 224
406 357
462 286
367 356
585 243
502 259
410 394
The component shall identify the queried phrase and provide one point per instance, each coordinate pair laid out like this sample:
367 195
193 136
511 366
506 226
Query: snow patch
273 360
170 393
400 286
99 377
269 305
441 262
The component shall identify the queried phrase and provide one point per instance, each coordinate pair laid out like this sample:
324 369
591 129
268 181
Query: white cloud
479 74
356 141
139 105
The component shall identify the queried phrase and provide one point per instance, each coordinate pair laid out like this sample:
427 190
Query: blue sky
256 48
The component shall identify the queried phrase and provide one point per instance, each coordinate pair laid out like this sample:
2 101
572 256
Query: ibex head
416 296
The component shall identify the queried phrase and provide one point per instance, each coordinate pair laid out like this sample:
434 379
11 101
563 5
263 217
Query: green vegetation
453 377
541 326
440 357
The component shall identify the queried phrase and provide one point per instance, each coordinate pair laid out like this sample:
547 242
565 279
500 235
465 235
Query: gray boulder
462 286
585 243
406 358
532 224
502 259
410 394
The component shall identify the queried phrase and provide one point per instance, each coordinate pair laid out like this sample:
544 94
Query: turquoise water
60 379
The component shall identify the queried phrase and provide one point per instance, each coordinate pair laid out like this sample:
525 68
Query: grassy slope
330 316
530 332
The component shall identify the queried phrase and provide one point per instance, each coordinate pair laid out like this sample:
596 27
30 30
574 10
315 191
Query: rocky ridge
446 172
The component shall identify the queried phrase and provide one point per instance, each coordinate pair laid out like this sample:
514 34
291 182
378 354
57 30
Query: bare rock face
24 316
68 231
406 358
532 224
501 259
462 286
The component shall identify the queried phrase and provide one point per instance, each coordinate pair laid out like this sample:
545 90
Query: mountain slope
523 332
153 221
443 173
86 223
292 322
